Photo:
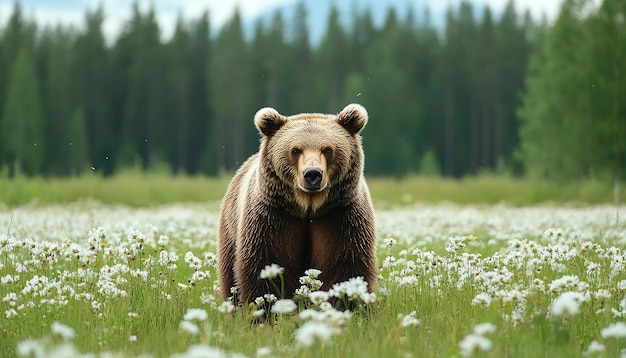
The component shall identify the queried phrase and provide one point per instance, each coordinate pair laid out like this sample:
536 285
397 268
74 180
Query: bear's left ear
268 121
353 118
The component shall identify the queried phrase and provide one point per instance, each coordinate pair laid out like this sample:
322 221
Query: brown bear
301 202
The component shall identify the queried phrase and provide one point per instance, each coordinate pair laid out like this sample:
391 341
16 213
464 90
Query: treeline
441 101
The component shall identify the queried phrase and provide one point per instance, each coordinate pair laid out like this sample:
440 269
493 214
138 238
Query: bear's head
317 156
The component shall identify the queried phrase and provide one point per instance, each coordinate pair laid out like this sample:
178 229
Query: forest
502 93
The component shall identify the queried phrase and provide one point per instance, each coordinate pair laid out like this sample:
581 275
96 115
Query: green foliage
573 110
22 126
186 103
137 187
428 165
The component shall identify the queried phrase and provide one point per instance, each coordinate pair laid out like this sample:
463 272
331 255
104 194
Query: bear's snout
313 177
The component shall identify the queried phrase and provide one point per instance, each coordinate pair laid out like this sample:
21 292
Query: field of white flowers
94 280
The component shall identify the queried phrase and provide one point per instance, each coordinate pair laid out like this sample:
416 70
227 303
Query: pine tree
302 58
229 88
556 131
58 100
93 86
77 143
22 132
146 127
180 104
332 65
390 98
200 116
607 53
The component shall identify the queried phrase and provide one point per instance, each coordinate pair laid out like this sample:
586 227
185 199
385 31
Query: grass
125 287
140 189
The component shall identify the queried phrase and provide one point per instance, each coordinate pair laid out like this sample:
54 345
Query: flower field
96 280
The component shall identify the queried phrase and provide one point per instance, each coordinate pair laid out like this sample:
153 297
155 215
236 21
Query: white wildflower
284 306
30 348
482 299
318 297
168 259
199 350
474 342
484 328
594 348
409 320
264 352
196 314
312 273
615 330
312 332
63 331
567 304
193 261
10 313
189 328
258 313
390 242
271 271
226 307
351 289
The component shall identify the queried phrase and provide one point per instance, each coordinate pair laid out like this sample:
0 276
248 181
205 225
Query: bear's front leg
344 245
266 237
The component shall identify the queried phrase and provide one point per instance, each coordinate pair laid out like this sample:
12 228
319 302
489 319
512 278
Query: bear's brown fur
301 202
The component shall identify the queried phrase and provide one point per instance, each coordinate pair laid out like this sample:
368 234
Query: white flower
473 342
30 348
567 304
133 338
352 289
390 242
168 259
258 313
271 271
284 306
616 330
313 331
193 261
409 320
594 347
482 299
484 328
63 331
226 307
199 350
188 327
263 352
312 273
318 297
196 314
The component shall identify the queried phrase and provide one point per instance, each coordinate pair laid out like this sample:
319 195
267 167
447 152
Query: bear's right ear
268 121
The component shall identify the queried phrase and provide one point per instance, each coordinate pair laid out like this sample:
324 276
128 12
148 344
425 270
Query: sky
117 12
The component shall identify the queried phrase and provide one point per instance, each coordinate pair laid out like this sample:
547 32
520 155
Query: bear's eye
296 152
328 151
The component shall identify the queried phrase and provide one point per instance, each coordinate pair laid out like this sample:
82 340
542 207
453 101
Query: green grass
140 189
520 276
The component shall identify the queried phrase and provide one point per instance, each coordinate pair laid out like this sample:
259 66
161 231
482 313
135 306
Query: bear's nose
313 176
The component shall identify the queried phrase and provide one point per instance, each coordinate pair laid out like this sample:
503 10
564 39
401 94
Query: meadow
100 279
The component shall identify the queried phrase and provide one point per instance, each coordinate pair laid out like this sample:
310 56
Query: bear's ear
353 118
268 121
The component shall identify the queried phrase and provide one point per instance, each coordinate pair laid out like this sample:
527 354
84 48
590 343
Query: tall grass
140 189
